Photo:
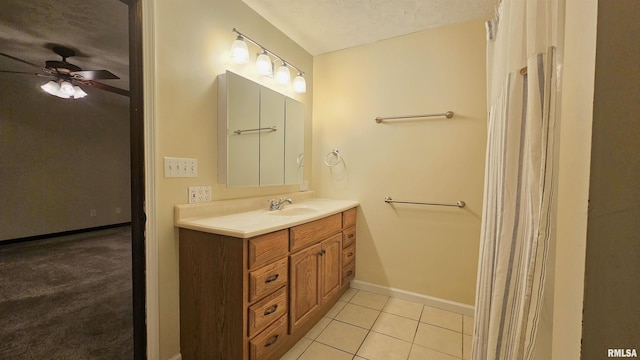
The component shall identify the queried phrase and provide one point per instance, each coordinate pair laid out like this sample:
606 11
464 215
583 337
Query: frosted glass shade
283 75
53 88
264 65
300 84
239 51
78 93
66 88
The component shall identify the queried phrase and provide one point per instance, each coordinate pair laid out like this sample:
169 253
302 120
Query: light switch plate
180 167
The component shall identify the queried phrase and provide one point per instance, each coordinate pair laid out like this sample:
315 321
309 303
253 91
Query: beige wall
60 159
427 250
192 42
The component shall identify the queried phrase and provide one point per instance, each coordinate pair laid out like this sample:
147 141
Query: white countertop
257 222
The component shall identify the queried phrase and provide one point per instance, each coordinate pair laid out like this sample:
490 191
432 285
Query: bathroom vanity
253 283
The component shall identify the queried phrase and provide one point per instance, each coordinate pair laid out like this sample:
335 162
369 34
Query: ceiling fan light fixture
66 88
53 88
78 93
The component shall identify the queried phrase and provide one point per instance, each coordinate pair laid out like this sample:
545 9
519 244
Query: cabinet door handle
272 340
322 252
271 310
350 254
350 236
272 278
350 272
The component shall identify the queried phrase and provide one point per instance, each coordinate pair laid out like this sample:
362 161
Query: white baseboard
177 356
443 304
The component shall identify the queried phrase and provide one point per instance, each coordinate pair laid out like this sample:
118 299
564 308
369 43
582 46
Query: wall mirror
260 134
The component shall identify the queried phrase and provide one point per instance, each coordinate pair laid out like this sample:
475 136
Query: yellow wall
427 250
192 42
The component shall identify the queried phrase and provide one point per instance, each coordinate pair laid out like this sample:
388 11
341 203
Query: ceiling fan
66 77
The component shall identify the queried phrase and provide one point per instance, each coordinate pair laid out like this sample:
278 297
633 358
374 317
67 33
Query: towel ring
300 160
336 154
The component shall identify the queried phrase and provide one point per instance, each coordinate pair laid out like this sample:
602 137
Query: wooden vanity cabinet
253 299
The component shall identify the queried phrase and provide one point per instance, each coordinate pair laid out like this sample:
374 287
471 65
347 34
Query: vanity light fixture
63 90
239 51
264 64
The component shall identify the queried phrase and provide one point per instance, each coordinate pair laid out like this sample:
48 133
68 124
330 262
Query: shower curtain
519 190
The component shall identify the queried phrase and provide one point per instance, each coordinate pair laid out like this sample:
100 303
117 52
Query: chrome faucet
278 204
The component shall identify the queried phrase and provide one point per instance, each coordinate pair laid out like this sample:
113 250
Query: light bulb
66 88
78 93
264 64
239 51
283 75
300 84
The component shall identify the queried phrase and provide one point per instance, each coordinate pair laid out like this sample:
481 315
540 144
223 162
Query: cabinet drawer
348 272
348 254
263 345
267 279
312 232
265 311
266 248
348 236
349 218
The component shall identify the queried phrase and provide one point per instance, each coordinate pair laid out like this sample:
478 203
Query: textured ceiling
322 26
96 29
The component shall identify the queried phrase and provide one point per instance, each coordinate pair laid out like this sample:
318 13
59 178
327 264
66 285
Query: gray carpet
67 297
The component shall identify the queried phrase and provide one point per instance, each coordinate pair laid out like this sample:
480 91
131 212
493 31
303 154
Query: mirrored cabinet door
294 142
243 146
271 142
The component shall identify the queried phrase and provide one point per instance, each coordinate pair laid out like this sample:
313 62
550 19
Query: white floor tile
466 346
318 328
336 309
467 325
358 316
396 326
318 351
404 308
383 347
439 339
348 295
343 336
442 318
370 300
422 353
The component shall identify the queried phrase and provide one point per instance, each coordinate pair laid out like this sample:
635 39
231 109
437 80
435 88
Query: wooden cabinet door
331 273
304 282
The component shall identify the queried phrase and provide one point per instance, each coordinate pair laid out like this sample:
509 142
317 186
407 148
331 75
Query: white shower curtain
520 182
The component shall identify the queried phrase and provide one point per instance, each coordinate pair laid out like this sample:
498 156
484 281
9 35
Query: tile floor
364 325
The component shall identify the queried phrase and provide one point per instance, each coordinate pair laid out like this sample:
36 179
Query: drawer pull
272 279
323 252
271 310
350 272
272 340
350 236
350 254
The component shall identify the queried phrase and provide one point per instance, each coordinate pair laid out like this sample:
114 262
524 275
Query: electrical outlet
180 167
92 213
199 194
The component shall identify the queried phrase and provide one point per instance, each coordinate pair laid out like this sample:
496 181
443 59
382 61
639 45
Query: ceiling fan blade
18 72
93 75
20 60
106 87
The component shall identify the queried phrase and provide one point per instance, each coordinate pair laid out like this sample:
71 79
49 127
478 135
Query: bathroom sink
294 210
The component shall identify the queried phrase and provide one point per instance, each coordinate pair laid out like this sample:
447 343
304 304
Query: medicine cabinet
260 134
